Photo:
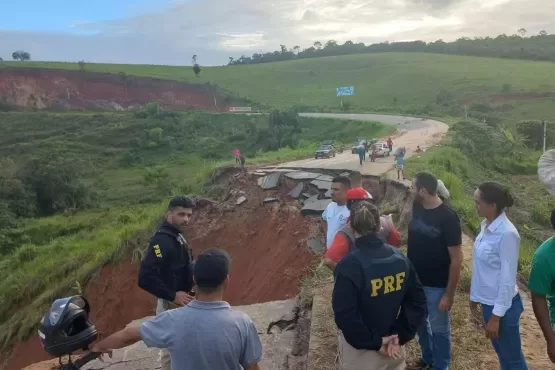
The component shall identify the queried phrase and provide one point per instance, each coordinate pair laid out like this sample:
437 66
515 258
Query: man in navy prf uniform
166 270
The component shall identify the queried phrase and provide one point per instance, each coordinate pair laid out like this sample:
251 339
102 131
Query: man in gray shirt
207 333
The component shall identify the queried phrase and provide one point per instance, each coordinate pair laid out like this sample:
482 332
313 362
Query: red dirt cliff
37 88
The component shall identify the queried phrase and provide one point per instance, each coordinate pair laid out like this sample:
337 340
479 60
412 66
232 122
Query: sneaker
420 365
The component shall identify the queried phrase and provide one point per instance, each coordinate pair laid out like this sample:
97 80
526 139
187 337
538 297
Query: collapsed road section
269 221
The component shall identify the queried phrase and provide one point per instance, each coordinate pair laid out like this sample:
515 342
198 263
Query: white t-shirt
336 216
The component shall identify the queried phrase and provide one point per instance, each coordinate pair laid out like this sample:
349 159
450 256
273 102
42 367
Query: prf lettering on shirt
387 284
157 251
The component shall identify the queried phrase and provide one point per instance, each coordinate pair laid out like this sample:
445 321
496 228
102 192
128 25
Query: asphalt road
411 131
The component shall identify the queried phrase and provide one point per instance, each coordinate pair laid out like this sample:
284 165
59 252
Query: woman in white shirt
494 270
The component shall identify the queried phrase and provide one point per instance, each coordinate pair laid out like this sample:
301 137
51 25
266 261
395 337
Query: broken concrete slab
296 191
257 173
241 200
270 200
313 205
307 195
316 245
346 174
325 178
301 175
327 194
270 181
275 169
321 185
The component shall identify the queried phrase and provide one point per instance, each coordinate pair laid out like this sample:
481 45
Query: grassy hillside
128 166
391 80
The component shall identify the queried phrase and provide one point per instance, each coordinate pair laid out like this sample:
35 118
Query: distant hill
387 81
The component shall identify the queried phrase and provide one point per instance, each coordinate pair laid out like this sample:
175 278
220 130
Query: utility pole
544 135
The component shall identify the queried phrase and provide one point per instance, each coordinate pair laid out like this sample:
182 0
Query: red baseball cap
356 194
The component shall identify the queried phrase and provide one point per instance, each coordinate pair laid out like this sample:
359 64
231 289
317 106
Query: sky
171 31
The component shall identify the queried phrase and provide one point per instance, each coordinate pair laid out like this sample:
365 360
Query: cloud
217 29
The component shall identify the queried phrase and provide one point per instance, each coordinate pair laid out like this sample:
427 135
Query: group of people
382 299
363 147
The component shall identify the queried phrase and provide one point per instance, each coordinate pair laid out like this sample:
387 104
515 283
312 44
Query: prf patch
157 251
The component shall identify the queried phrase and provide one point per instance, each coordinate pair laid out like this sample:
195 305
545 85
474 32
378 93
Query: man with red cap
344 241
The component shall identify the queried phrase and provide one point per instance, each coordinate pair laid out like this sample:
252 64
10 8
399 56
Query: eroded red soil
38 88
269 258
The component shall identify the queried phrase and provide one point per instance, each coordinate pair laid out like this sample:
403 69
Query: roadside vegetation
79 190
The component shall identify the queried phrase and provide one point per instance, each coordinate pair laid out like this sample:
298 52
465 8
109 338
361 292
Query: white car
382 150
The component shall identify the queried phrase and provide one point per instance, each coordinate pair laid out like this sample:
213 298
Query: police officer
166 270
378 301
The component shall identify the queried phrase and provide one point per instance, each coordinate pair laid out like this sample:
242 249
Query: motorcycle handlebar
86 358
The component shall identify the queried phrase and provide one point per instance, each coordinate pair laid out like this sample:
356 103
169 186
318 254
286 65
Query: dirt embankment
267 239
36 88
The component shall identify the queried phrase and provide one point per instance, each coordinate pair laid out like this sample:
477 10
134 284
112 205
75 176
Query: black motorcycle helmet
66 327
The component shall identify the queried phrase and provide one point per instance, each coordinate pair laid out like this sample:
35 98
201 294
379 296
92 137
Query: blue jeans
434 335
507 346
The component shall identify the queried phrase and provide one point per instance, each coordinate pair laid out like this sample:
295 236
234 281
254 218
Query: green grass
117 148
413 78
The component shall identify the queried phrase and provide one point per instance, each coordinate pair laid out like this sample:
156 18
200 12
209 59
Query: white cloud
216 29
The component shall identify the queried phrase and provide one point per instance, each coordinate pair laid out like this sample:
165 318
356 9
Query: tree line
518 46
21 55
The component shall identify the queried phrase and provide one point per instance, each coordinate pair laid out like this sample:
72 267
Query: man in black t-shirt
434 248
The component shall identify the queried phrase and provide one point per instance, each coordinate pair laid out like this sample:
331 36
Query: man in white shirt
336 214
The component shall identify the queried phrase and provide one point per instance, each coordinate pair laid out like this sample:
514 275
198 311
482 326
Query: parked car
382 150
325 151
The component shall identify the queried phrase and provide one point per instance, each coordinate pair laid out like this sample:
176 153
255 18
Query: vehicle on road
325 151
382 149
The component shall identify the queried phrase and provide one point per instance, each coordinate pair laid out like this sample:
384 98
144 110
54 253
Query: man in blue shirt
206 334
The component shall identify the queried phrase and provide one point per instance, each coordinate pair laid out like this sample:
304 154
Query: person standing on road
207 334
390 144
361 153
166 269
356 182
378 301
336 213
542 286
400 164
434 248
494 270
242 161
236 154
344 241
